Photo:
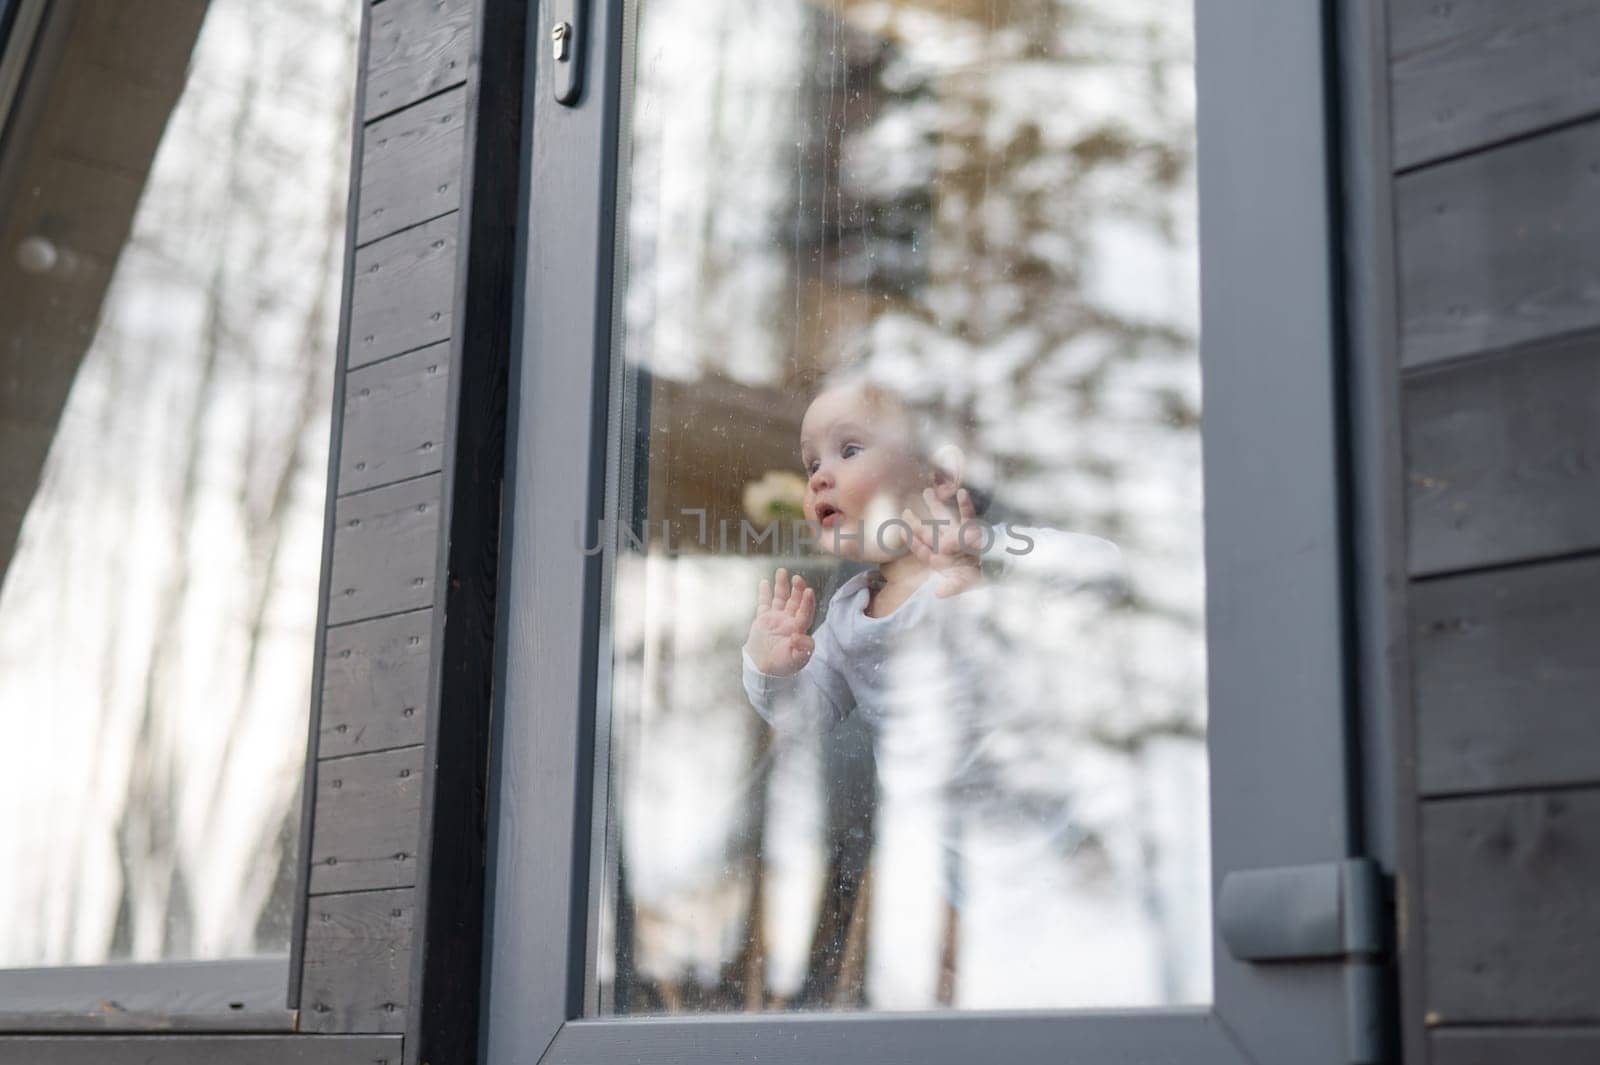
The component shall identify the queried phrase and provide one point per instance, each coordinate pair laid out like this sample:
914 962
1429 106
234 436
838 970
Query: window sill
245 995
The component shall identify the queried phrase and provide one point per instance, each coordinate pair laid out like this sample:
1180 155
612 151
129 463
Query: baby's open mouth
828 515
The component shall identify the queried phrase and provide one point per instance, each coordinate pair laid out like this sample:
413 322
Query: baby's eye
850 450
811 467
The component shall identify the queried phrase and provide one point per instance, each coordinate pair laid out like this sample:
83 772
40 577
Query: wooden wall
1494 109
388 938
394 882
370 725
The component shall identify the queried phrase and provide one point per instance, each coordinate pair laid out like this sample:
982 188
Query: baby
915 648
874 494
870 496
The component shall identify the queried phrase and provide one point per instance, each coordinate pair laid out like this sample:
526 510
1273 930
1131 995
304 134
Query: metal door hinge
1337 912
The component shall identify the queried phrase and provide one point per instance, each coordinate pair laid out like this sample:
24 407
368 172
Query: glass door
907 655
901 653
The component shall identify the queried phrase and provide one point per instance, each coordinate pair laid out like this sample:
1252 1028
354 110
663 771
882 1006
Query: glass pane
930 262
172 202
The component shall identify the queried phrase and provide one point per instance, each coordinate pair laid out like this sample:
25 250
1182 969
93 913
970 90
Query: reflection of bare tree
998 197
149 852
186 485
836 968
267 533
744 977
154 864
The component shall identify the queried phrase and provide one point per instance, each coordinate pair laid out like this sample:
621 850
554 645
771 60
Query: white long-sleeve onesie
850 668
942 686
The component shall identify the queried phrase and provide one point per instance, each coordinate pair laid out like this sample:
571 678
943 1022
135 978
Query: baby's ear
949 465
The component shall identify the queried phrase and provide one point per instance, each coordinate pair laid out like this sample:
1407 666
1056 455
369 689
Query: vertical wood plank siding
417 48
411 166
404 292
358 961
448 962
1496 227
394 419
373 684
367 808
384 542
382 612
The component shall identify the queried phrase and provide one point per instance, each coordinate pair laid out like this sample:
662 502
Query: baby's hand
778 644
953 549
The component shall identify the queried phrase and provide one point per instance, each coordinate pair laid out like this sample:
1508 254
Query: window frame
1278 548
233 995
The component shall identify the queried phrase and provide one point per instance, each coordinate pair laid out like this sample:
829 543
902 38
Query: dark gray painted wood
375 685
411 166
1506 672
358 962
417 48
330 528
1471 72
1503 458
404 292
1496 249
1499 270
1499 1046
448 966
394 419
308 789
384 532
368 808
200 1050
384 551
1511 923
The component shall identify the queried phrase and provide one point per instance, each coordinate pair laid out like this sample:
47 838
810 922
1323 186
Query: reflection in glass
172 203
956 240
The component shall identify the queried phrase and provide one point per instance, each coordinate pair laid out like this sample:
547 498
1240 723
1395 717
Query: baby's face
861 472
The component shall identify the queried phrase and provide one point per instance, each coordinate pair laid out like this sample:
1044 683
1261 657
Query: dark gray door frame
1276 559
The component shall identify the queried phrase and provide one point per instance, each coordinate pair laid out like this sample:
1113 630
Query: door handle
567 24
